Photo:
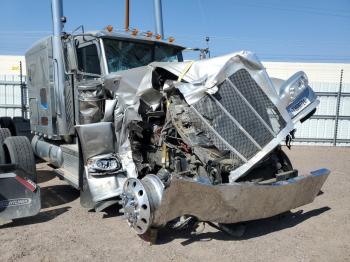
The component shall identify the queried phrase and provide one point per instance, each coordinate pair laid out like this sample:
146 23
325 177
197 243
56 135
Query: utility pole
127 6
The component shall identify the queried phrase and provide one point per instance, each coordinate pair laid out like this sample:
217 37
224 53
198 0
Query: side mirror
71 57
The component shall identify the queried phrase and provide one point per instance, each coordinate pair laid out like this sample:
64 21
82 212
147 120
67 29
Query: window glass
164 53
123 55
88 60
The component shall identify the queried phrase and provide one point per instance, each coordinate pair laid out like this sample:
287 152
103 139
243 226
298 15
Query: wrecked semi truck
124 119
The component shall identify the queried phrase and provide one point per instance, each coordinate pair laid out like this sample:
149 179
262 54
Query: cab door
88 85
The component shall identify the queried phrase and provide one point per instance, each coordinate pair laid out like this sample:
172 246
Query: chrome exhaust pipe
48 152
158 17
58 21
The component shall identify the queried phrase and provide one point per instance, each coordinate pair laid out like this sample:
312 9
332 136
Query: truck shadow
112 211
51 196
43 216
254 228
56 195
45 175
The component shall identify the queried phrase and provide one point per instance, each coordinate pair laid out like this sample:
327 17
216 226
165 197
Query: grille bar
218 135
237 123
251 107
258 99
225 127
235 105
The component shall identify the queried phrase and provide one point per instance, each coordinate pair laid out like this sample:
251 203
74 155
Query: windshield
123 55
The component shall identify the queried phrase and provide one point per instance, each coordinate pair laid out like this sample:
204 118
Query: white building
9 65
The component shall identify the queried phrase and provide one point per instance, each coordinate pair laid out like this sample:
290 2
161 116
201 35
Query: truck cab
98 55
68 91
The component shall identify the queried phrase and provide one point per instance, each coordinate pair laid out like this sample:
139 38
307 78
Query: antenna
207 49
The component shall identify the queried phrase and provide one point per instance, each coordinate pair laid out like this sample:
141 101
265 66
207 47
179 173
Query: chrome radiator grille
239 118
258 99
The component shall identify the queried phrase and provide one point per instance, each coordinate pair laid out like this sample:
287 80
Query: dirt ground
64 231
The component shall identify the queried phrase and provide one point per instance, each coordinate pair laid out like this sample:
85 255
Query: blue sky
312 30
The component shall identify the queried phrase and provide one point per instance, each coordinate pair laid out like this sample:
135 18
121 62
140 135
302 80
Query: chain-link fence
331 123
13 95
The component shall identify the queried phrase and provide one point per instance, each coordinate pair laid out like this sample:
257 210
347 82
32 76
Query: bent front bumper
147 203
237 202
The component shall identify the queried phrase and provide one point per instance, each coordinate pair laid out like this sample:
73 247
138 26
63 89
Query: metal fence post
21 85
23 91
337 109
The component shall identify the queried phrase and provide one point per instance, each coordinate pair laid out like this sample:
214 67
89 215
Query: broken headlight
104 164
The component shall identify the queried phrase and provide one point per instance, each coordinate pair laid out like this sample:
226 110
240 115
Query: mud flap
19 197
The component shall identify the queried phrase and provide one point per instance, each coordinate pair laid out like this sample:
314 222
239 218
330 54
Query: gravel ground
64 231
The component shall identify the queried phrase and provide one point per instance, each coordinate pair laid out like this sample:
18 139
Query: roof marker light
158 37
171 39
149 34
109 28
135 31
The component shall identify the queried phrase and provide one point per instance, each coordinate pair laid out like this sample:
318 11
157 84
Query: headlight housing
298 86
104 164
293 87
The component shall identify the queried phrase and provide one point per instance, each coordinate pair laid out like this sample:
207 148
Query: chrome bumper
236 202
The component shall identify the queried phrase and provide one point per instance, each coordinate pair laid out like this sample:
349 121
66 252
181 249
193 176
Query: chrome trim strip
104 59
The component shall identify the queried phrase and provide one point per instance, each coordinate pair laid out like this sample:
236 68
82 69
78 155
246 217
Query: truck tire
22 127
19 151
7 122
4 133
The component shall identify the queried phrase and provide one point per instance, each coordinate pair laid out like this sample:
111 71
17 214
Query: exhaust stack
57 17
158 17
58 21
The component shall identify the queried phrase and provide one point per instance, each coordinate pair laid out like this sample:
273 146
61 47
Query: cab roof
127 36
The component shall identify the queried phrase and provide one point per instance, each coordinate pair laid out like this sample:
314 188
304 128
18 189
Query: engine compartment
168 141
